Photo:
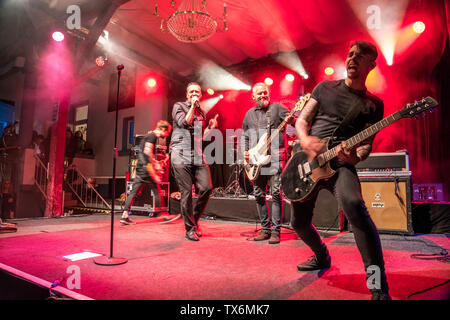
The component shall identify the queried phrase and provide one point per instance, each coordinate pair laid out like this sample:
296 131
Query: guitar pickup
300 170
306 168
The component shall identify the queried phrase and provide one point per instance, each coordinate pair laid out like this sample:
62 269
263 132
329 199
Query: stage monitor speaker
327 215
388 200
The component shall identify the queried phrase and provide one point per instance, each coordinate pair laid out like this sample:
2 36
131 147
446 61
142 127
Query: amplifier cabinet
388 200
145 199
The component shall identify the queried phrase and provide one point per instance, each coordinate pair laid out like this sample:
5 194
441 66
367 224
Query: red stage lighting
100 61
329 71
419 27
268 81
58 36
210 91
289 77
151 82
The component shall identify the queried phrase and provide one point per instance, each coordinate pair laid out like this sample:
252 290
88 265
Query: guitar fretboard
366 133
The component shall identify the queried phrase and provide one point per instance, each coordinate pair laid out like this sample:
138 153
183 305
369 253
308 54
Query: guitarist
334 103
149 169
257 121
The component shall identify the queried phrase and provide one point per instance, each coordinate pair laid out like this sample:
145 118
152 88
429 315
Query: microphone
120 67
197 104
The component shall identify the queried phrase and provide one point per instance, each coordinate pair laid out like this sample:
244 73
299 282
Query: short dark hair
366 48
162 124
192 84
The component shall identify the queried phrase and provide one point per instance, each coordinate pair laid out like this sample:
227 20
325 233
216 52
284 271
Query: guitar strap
349 117
268 118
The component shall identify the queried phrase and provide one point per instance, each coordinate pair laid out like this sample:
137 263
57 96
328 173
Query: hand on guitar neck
347 155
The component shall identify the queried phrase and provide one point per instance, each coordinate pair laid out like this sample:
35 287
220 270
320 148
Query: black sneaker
315 264
191 235
380 295
126 221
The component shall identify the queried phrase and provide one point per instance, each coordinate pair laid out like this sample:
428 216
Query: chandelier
191 22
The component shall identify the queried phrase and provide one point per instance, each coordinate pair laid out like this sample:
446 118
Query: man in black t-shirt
321 118
148 168
264 118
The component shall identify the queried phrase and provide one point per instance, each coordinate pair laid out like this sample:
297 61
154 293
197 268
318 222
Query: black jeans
136 187
187 175
346 188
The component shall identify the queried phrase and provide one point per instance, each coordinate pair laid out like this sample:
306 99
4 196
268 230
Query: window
127 133
81 120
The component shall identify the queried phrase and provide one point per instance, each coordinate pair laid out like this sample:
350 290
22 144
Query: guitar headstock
301 102
412 109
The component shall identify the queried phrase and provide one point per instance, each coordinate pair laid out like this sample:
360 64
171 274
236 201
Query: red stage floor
224 265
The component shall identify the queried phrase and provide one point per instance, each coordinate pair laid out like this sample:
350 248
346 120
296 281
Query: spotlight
221 96
210 91
100 61
151 82
58 36
329 71
305 76
419 27
268 81
289 77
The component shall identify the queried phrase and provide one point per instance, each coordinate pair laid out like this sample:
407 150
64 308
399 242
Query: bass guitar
301 177
258 156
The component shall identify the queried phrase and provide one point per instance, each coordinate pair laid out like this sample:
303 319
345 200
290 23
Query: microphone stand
111 260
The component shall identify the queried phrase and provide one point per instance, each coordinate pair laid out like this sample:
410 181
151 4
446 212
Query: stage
226 264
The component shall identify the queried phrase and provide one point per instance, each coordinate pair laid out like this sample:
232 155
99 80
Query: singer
187 161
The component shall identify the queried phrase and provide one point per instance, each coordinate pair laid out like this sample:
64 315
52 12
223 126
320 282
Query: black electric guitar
258 156
300 178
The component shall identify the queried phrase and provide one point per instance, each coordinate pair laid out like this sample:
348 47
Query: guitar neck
280 127
366 133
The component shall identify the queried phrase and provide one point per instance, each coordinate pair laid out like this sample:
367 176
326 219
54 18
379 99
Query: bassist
261 119
340 109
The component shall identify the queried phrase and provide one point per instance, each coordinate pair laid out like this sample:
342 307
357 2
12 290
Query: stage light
419 27
214 77
268 81
289 77
329 71
305 76
151 82
58 36
210 91
292 61
221 96
100 61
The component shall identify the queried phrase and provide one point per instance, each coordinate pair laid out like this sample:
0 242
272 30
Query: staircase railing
40 176
83 189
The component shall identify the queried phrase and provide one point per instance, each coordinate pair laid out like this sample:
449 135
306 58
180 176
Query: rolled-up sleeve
179 115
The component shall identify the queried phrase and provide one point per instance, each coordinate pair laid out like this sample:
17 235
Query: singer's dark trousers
346 188
187 175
